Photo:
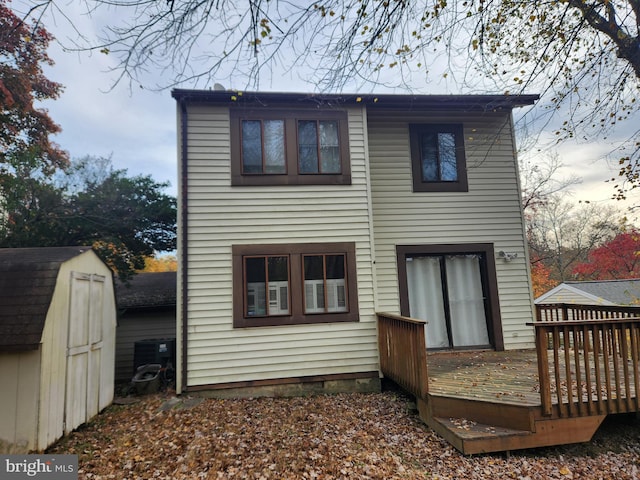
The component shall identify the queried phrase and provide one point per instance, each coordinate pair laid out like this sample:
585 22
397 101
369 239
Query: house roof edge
469 102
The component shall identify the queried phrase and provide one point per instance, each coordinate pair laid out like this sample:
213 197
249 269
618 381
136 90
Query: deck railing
403 352
568 311
588 359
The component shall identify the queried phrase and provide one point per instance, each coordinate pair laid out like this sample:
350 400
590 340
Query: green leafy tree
31 206
125 219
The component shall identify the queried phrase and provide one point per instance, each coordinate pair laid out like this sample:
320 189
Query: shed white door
84 347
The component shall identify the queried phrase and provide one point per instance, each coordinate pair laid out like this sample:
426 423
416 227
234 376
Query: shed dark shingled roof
27 282
147 290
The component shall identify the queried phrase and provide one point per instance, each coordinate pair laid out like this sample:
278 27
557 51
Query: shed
604 292
146 310
57 343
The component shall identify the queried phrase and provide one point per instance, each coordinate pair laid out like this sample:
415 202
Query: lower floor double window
294 283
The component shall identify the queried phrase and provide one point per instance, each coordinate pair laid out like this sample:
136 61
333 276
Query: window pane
308 146
336 290
278 285
274 146
329 133
256 286
278 269
429 158
313 267
330 159
255 270
313 283
251 146
267 294
447 151
329 147
335 266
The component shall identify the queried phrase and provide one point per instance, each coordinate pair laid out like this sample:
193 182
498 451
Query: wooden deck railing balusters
595 359
615 354
543 373
626 331
586 338
597 355
635 358
403 352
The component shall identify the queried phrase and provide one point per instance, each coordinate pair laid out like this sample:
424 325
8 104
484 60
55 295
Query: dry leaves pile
375 436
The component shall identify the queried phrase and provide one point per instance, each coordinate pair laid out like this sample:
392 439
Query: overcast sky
137 127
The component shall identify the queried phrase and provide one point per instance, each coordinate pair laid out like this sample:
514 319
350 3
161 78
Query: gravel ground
361 436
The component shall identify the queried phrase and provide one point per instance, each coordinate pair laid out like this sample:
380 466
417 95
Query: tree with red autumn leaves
616 259
25 129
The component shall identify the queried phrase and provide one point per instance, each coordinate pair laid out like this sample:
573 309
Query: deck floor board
500 377
509 377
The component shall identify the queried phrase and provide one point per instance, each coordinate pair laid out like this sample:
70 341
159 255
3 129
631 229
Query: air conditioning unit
315 299
336 295
278 299
154 351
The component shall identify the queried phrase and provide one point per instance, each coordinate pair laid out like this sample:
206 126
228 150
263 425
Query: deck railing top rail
572 312
596 321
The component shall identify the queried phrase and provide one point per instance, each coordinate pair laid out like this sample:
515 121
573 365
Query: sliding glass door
451 292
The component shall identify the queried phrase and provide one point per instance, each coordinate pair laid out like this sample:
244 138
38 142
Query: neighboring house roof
409 102
607 292
147 290
27 282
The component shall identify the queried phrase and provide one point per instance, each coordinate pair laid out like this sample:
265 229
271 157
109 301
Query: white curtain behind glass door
424 283
466 301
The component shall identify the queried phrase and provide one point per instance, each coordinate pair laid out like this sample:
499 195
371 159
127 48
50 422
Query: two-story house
301 216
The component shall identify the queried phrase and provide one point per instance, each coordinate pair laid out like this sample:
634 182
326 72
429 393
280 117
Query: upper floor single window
438 158
289 148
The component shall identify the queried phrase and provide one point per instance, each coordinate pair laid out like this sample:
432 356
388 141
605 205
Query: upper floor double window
289 148
438 159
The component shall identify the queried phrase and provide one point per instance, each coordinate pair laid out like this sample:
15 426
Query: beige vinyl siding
489 212
221 216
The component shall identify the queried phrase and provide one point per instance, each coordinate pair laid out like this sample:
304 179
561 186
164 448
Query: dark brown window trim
415 133
292 177
294 252
490 279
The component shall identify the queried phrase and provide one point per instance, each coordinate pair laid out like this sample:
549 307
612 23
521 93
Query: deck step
507 416
470 437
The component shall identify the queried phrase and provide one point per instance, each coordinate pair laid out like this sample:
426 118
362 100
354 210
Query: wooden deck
586 365
502 377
